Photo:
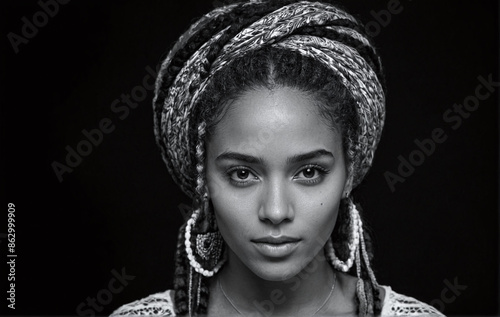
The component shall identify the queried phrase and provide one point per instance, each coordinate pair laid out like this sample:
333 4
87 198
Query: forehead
273 123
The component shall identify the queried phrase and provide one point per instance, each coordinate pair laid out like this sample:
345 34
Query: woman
268 114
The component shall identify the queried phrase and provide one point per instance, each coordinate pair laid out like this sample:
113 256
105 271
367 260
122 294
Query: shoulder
153 305
395 304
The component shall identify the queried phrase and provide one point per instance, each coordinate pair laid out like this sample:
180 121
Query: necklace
317 310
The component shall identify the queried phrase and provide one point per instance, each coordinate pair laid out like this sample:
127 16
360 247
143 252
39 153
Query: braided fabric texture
159 304
400 305
288 28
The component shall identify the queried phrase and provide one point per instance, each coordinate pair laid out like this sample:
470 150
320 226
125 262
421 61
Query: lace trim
400 305
161 304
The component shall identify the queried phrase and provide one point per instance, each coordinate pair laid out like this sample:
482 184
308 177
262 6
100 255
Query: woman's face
276 175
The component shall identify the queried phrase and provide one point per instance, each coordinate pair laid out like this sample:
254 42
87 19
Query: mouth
276 247
276 240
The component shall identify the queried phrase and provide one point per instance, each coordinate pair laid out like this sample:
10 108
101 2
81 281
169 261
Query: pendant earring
208 248
356 228
209 245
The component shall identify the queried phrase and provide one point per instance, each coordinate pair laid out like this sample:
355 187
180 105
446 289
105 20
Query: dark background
120 209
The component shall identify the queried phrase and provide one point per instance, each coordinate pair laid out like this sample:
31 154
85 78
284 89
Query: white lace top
162 304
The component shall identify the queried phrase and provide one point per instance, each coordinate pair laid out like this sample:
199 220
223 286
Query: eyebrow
309 155
257 160
239 157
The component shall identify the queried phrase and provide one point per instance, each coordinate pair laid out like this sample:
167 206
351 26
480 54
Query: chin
276 271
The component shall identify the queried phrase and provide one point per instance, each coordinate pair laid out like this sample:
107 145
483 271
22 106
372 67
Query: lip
276 247
276 240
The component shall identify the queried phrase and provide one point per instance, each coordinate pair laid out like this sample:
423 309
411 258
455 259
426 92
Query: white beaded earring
208 247
356 229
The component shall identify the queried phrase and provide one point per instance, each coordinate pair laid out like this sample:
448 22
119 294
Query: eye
311 174
241 176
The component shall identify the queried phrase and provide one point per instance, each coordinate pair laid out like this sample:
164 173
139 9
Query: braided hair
269 67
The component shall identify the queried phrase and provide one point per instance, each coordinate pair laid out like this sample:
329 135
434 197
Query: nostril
275 204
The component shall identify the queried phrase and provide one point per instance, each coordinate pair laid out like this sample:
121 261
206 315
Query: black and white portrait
250 158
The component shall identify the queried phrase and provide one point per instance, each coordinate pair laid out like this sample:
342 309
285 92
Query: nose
276 205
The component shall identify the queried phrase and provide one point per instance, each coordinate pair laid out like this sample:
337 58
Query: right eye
241 176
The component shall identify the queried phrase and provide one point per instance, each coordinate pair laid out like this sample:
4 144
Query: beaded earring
356 230
209 245
208 248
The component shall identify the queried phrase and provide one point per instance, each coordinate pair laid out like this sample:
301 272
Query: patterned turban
189 67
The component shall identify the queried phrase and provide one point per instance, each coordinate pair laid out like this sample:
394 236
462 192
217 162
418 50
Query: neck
303 294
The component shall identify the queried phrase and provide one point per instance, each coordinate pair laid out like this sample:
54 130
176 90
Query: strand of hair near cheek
203 288
371 284
181 274
360 290
201 188
198 289
369 297
364 289
366 259
190 304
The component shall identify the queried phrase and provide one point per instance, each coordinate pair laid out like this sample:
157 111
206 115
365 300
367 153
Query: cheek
234 224
233 215
318 211
232 208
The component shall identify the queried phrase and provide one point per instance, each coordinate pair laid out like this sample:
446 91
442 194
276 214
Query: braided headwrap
179 85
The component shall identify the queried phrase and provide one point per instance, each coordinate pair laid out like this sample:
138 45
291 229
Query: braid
366 259
367 275
203 296
188 284
364 291
360 287
369 297
366 51
341 232
237 18
181 275
367 293
201 188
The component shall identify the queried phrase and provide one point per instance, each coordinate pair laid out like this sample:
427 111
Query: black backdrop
119 210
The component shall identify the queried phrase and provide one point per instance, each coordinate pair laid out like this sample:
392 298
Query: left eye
310 175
